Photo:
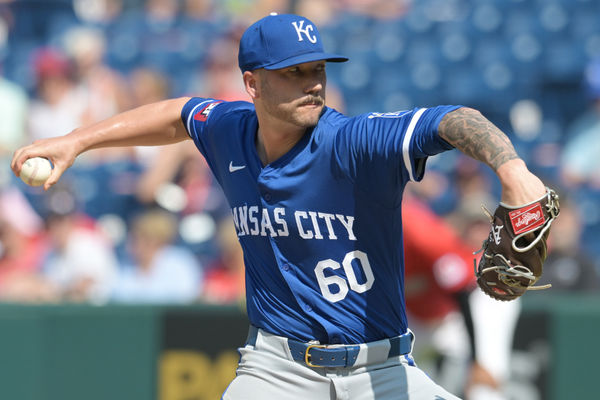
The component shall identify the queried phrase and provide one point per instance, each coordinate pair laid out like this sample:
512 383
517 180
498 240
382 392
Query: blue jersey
321 226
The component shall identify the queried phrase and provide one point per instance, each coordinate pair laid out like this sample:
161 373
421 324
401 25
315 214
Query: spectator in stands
580 163
219 78
380 9
179 164
569 268
102 89
22 246
147 85
321 13
155 32
581 154
14 103
199 10
98 12
473 190
224 281
58 106
246 12
159 270
81 264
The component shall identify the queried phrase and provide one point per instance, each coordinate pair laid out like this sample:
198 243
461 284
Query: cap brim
304 58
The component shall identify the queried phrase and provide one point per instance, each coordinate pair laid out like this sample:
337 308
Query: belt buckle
307 355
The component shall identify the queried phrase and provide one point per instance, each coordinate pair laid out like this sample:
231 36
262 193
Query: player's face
295 94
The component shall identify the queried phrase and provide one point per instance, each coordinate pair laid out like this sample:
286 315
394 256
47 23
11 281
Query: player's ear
251 84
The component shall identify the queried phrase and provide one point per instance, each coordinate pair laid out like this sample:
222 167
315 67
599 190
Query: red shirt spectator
437 262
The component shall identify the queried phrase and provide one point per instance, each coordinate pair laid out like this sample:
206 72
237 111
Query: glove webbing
508 273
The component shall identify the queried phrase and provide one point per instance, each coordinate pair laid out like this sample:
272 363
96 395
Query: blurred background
126 278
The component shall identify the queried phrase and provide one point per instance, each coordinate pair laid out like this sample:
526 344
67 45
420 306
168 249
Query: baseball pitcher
316 201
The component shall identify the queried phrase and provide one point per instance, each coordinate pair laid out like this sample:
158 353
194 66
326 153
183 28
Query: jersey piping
406 143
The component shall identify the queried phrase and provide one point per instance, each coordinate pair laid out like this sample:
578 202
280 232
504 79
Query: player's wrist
511 170
519 185
78 142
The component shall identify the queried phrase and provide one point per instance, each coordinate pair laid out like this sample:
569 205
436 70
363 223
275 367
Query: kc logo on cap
280 41
306 31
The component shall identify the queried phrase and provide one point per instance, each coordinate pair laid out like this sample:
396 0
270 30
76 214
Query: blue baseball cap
280 41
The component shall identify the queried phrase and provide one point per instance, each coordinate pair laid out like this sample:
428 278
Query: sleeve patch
202 115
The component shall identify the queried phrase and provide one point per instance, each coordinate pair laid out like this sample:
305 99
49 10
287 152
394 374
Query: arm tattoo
470 132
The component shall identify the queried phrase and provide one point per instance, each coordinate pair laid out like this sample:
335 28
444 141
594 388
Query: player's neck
275 140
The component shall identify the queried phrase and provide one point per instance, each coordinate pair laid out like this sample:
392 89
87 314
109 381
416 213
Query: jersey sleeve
383 151
197 116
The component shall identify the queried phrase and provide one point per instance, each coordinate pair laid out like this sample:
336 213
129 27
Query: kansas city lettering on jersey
258 221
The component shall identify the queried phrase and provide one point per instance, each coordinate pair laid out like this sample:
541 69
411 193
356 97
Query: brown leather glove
515 251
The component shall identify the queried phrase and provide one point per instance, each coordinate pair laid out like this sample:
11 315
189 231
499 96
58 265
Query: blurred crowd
150 225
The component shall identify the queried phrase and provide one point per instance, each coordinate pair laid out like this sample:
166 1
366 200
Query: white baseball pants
267 371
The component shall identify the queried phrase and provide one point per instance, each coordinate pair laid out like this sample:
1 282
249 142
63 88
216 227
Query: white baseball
35 171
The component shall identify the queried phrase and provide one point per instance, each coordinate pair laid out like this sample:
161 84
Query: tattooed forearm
470 132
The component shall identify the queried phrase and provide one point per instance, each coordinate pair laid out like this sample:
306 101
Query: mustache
318 100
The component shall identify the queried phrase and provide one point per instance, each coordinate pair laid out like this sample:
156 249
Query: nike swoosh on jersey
233 168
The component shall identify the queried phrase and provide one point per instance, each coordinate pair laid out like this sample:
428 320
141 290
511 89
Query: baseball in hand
35 171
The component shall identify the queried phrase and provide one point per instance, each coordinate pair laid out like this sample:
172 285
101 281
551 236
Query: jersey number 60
327 283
